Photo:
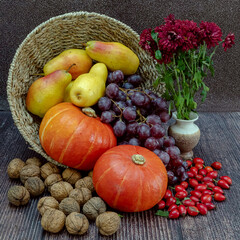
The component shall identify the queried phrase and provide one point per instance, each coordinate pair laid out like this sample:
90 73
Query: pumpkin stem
138 159
89 112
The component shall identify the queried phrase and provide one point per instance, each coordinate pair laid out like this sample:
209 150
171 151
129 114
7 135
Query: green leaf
154 36
197 78
178 202
204 92
158 67
211 70
168 81
156 82
158 55
181 65
121 216
162 213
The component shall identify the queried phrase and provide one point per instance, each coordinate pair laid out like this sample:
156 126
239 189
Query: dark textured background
20 17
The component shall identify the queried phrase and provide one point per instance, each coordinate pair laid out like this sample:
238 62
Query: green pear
115 55
47 91
77 58
89 87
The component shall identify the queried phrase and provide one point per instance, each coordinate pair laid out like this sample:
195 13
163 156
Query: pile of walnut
70 194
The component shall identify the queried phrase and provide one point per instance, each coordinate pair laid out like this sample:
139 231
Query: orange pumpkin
130 178
72 138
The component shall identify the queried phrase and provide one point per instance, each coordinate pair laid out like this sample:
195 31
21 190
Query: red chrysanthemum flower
146 42
210 33
229 41
190 32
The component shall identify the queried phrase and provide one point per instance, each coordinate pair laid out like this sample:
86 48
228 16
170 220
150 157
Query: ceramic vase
186 134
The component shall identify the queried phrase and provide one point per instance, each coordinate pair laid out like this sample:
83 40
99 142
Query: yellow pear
89 87
115 55
47 91
82 62
66 97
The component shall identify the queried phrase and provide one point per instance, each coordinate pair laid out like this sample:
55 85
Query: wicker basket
49 39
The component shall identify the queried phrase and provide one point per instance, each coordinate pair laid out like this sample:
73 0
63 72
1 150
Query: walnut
69 205
85 182
81 195
28 171
108 223
18 195
77 223
47 203
61 190
48 169
53 220
34 161
52 179
90 174
35 186
14 167
93 207
71 175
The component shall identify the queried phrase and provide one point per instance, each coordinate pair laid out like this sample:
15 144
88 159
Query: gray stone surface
19 17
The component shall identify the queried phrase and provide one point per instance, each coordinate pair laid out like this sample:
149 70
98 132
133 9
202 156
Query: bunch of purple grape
137 116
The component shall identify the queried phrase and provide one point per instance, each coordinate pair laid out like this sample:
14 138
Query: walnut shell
85 182
28 171
35 186
69 205
18 195
53 220
61 190
93 207
52 179
47 203
71 175
108 223
77 223
14 167
35 161
81 195
48 169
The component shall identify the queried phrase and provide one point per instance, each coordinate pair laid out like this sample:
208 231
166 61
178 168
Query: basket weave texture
49 39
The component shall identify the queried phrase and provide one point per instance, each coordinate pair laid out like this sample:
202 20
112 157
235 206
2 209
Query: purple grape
163 156
121 96
132 128
119 128
177 162
157 131
150 143
138 99
112 90
129 103
144 112
143 131
164 116
169 141
118 76
160 143
117 107
135 80
153 119
123 143
184 177
134 141
107 117
160 104
173 152
185 165
180 170
127 85
172 179
129 113
104 103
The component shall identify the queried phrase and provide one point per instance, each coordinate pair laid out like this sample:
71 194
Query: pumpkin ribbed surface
74 139
127 185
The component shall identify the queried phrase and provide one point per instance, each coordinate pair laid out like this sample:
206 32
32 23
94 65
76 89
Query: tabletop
220 138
